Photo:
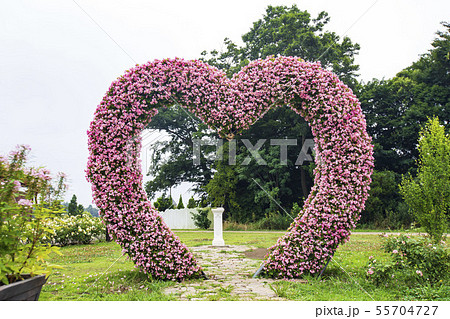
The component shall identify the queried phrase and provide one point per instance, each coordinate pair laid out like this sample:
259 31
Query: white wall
179 218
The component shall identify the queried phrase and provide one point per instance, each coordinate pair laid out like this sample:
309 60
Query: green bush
412 261
163 203
71 230
191 203
274 221
385 209
201 219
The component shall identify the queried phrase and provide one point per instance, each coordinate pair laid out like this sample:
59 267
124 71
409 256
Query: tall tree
180 203
290 32
428 196
397 108
73 208
281 31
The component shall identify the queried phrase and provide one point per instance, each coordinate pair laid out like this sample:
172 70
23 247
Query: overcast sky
56 63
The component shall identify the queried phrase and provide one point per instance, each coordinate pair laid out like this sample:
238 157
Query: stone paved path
229 277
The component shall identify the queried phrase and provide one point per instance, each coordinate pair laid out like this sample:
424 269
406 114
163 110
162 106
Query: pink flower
419 273
25 202
370 271
395 251
17 185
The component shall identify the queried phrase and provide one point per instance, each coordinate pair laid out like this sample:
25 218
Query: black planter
28 289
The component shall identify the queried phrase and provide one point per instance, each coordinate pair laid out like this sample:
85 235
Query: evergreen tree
180 203
72 208
191 203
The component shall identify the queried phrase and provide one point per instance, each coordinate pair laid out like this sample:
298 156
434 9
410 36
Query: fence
179 218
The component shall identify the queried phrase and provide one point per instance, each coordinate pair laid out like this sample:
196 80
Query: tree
384 208
73 208
92 210
163 202
281 31
191 203
172 161
180 203
396 109
428 195
221 188
290 32
201 219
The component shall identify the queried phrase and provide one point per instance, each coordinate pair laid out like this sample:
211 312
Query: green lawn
100 272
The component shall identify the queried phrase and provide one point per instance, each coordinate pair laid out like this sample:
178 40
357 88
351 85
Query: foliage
180 203
395 111
201 219
74 209
413 261
28 198
221 189
384 208
70 230
241 189
92 210
163 202
289 32
191 203
172 161
428 196
274 221
397 108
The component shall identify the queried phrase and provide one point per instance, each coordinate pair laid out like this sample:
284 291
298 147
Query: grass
100 272
341 284
260 240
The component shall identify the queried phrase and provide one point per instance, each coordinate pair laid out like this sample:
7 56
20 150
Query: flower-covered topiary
343 155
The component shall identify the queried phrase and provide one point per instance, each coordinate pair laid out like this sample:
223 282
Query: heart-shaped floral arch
343 155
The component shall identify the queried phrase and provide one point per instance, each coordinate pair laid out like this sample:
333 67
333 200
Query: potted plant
27 199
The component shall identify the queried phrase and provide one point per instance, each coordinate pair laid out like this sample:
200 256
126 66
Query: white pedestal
218 230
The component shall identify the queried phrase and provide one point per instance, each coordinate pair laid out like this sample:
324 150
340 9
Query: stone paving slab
229 275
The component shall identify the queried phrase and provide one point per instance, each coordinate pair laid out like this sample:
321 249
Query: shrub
191 203
273 221
82 229
385 208
201 219
412 261
28 198
163 203
230 225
